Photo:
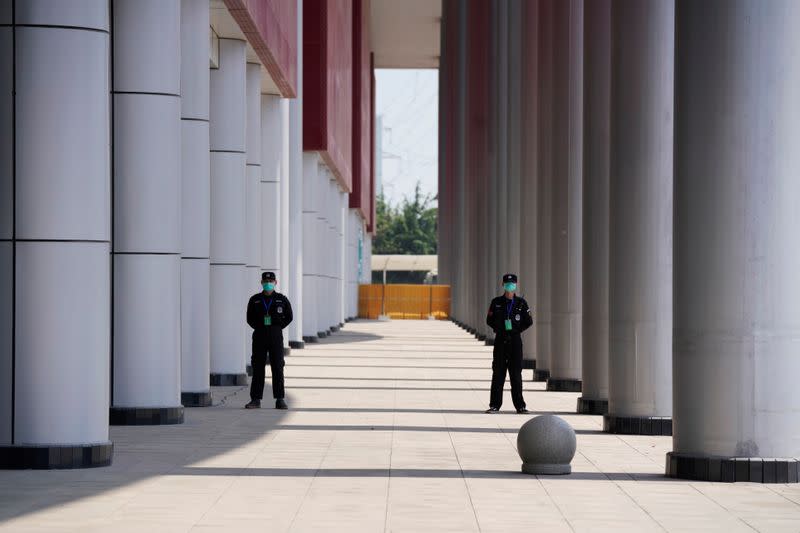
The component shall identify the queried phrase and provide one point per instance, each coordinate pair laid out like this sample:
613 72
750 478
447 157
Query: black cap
267 276
509 278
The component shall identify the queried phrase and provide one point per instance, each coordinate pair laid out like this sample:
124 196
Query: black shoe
280 404
492 410
254 404
522 411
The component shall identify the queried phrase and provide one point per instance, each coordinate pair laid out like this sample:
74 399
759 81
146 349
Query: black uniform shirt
520 315
280 312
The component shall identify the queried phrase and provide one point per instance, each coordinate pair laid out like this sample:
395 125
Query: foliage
407 229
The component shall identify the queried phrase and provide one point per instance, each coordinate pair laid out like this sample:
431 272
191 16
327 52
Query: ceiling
405 34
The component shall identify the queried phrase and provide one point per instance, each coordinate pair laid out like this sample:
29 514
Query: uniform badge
516 318
280 310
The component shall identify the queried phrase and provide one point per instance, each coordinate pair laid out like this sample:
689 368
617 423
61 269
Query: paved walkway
385 432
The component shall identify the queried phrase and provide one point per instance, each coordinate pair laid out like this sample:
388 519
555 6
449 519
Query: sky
407 101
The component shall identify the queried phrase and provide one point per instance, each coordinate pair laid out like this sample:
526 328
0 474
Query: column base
638 425
196 399
732 469
481 337
248 370
529 364
56 457
564 385
297 345
489 341
472 331
310 339
322 334
541 374
287 351
590 406
227 380
145 416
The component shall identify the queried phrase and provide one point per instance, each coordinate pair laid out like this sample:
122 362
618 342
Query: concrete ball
546 444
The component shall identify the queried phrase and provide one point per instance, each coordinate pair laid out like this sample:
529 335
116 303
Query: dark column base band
248 370
145 416
472 331
196 399
564 385
541 374
590 406
56 457
481 337
227 380
638 425
529 364
297 345
287 351
310 339
334 329
322 334
732 469
489 341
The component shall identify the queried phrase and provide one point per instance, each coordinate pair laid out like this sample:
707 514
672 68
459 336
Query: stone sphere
546 445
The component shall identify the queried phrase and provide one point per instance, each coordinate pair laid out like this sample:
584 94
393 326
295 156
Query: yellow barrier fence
404 301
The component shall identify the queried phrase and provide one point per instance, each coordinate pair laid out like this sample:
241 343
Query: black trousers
507 357
267 348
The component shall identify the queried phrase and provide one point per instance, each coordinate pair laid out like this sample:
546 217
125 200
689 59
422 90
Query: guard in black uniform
268 312
508 316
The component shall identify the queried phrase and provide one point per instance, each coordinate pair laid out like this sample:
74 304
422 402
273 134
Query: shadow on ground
145 452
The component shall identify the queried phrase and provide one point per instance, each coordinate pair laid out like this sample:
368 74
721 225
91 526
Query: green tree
407 229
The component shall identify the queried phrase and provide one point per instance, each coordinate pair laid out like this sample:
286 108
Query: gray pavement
385 432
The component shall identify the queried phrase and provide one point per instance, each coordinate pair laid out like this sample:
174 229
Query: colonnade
145 188
632 162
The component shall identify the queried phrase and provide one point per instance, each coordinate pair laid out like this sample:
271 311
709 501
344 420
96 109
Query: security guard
268 312
509 315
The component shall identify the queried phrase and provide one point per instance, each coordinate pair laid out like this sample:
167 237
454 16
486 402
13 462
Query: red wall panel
328 84
271 29
362 109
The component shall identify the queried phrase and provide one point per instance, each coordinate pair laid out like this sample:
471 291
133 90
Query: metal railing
404 301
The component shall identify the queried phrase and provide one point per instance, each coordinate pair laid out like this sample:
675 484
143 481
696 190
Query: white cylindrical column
271 185
147 221
640 270
354 261
55 221
528 171
566 230
544 195
195 205
596 132
737 320
322 237
344 245
295 175
228 148
513 127
253 195
310 230
283 228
